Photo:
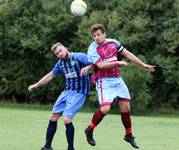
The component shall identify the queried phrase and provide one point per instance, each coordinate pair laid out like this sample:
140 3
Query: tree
150 29
147 28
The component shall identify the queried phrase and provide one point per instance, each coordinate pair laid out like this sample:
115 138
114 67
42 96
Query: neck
103 42
68 55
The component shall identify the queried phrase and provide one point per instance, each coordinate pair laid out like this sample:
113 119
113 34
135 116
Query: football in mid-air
78 7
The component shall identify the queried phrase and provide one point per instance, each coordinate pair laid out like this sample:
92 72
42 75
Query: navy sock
70 135
51 129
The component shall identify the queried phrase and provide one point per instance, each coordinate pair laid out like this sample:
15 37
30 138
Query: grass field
23 128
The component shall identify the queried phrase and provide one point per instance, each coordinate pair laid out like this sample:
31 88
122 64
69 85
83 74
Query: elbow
51 76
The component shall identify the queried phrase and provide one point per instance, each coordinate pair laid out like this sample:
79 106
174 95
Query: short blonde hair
54 47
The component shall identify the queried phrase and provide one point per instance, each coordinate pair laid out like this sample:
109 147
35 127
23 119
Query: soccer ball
78 7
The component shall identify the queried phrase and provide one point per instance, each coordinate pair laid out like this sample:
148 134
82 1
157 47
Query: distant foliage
149 29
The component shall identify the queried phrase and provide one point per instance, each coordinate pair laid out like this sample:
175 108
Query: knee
125 107
105 110
54 117
67 120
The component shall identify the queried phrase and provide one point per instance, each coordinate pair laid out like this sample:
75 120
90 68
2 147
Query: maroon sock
126 120
97 117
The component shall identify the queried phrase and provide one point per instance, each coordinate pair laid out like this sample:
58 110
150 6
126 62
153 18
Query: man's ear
105 34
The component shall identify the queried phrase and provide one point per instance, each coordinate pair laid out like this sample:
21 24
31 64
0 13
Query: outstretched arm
44 80
136 60
106 65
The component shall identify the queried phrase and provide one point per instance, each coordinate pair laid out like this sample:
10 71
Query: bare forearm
130 56
106 65
90 66
44 80
84 71
47 78
136 60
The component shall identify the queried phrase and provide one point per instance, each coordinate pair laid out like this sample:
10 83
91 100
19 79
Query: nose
96 38
60 55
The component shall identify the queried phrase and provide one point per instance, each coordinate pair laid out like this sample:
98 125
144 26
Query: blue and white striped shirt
71 68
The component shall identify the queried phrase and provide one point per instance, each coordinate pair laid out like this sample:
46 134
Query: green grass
23 128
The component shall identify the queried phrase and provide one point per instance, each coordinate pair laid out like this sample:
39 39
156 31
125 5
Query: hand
123 63
84 71
149 68
31 87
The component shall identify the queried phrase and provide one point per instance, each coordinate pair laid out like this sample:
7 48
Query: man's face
61 52
99 36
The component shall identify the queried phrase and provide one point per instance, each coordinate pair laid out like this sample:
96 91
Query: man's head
60 51
98 32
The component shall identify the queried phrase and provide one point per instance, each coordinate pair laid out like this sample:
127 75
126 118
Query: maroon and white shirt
104 52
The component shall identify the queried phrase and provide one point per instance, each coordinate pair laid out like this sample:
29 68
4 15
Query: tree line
149 29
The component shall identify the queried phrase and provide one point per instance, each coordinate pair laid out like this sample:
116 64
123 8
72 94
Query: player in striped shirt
102 53
72 98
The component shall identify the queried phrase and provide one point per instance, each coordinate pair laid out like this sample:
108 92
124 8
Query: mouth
98 41
62 57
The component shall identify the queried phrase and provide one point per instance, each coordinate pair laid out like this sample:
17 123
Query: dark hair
98 27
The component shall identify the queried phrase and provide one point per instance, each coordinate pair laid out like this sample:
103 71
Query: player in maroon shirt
102 53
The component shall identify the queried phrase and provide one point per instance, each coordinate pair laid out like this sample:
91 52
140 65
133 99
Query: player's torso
71 69
108 53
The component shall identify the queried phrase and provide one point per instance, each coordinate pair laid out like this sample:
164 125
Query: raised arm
44 80
136 60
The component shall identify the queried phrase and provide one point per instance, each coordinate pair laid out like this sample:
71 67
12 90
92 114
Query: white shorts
110 88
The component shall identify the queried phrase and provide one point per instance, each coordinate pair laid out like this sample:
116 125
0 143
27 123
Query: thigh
107 89
60 103
121 90
124 106
103 93
105 109
73 104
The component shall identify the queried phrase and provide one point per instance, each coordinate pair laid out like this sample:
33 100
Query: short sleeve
82 58
118 44
56 69
93 55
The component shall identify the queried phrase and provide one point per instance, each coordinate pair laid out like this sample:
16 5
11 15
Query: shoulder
92 46
81 57
78 55
114 41
58 62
